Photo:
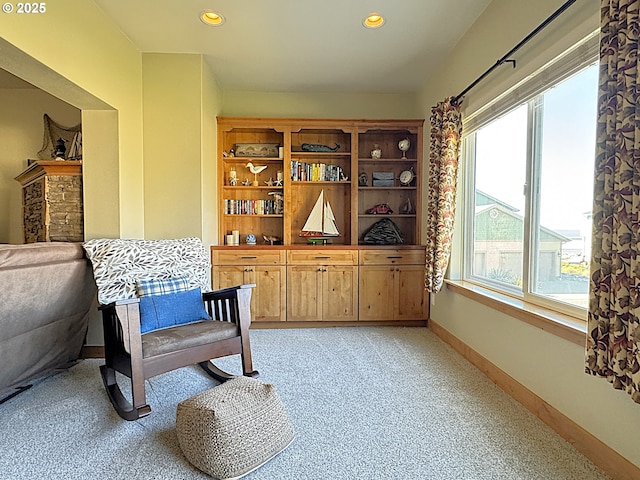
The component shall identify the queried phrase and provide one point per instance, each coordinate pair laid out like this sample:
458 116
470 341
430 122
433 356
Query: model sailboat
321 223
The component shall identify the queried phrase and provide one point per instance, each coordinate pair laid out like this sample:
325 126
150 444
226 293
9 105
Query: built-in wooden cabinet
328 284
266 269
322 285
304 157
250 203
374 186
356 165
392 284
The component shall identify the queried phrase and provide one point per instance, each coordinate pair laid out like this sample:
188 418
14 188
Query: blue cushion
171 309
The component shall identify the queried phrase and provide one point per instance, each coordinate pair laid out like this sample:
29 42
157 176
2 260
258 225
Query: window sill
570 328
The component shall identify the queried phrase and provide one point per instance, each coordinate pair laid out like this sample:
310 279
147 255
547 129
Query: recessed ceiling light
211 18
373 20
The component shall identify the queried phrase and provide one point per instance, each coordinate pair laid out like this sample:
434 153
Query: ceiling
303 45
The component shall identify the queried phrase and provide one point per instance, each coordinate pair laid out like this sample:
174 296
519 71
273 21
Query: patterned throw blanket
118 264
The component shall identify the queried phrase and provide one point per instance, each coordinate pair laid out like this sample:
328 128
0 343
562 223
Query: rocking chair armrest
231 304
124 314
225 292
116 303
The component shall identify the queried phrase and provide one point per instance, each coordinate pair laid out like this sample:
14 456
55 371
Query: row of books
315 172
251 207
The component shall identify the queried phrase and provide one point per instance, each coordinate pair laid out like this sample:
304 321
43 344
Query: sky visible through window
568 152
564 133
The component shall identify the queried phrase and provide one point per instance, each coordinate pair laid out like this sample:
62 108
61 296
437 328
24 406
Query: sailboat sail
321 221
314 221
329 227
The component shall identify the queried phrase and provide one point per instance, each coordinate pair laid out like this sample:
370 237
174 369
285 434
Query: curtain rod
506 58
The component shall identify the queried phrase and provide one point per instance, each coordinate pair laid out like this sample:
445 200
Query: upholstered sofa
47 293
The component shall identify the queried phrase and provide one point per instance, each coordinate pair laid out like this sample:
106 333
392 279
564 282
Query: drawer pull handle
396 256
249 256
322 256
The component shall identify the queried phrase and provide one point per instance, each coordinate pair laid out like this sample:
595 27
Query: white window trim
560 68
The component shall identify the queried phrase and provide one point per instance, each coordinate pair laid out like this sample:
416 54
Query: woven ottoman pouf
234 428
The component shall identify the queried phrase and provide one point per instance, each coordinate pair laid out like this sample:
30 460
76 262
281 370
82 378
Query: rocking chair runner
139 355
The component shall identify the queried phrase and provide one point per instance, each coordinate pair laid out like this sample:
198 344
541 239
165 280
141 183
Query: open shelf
336 171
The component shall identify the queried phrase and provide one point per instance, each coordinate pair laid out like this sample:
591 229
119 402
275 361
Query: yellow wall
181 102
320 105
77 54
172 96
21 136
211 108
546 364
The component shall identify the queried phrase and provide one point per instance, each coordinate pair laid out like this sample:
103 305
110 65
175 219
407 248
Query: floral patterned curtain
613 330
446 135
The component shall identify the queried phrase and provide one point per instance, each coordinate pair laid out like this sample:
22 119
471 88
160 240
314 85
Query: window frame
528 92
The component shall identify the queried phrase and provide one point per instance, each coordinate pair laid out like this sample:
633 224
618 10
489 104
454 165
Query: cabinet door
411 299
376 292
269 296
340 293
304 294
227 276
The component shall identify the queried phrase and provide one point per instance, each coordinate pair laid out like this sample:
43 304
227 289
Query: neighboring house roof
571 234
483 198
503 224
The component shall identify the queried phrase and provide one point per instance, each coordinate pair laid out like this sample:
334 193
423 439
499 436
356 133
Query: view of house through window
532 193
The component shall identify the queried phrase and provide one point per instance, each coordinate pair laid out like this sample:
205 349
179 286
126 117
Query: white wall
546 364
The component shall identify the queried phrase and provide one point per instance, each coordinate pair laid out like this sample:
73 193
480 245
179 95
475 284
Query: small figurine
251 239
318 147
255 169
246 182
60 149
270 239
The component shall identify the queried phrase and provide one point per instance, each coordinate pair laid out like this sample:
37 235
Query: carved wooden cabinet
52 202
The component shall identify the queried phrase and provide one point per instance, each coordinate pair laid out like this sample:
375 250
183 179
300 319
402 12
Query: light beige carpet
365 403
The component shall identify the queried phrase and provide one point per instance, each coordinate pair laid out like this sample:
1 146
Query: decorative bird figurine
255 169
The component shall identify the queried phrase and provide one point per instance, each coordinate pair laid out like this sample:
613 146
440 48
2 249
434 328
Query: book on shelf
249 207
315 172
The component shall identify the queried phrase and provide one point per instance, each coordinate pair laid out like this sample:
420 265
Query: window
528 191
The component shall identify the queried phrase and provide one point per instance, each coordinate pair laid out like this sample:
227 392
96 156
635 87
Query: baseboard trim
591 447
92 351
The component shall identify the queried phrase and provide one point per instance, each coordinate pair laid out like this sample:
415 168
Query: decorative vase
376 153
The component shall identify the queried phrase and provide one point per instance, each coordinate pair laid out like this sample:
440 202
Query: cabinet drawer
322 257
392 257
247 257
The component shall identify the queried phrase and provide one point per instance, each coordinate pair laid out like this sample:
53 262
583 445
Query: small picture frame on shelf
257 150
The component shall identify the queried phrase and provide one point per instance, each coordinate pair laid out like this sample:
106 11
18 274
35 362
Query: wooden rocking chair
141 355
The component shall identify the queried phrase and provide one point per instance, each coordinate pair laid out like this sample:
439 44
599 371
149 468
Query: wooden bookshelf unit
271 172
